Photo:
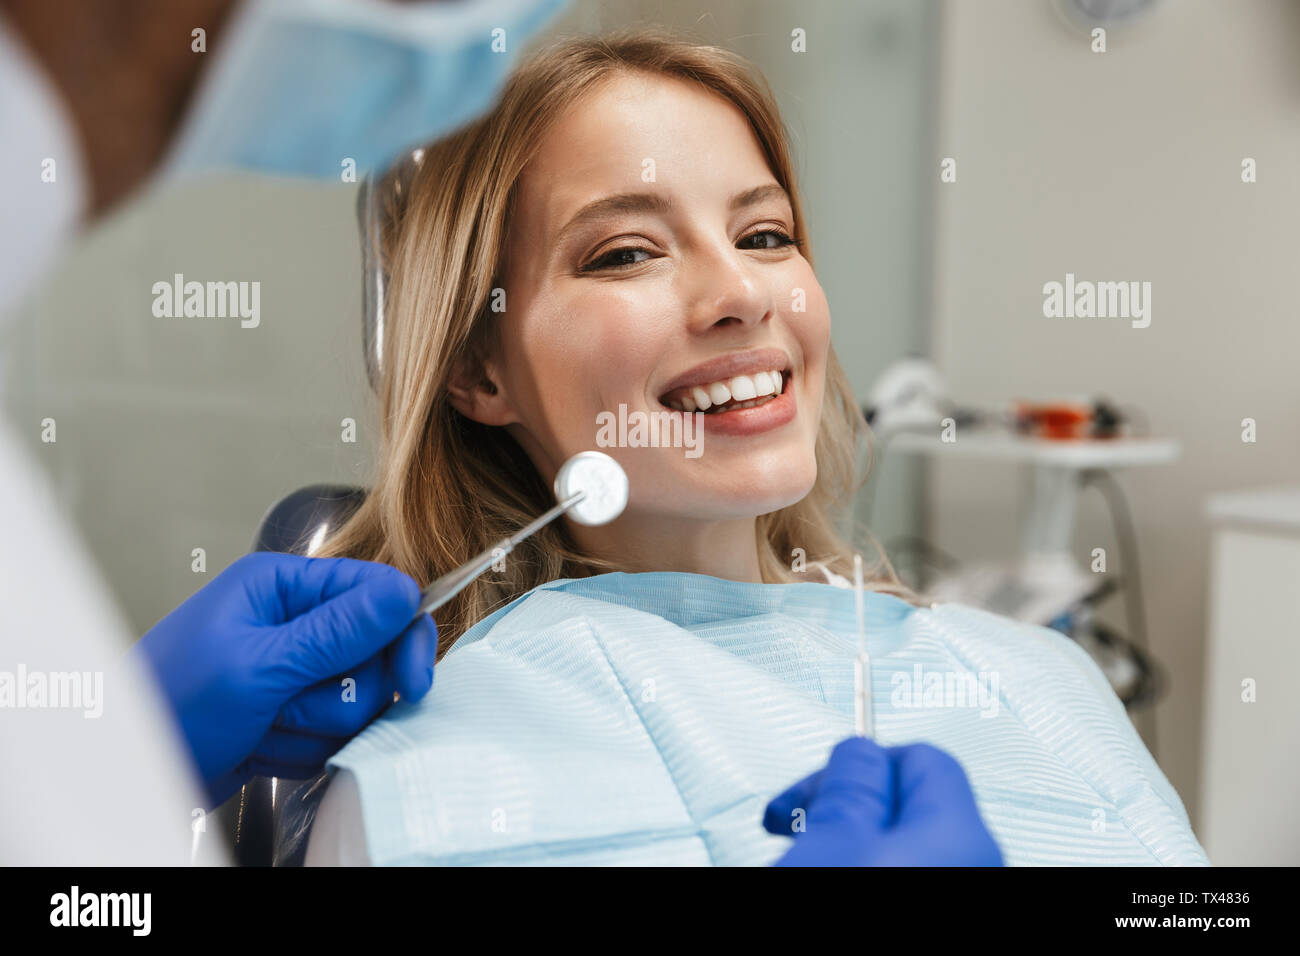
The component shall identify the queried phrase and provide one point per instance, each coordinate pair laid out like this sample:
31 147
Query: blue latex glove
253 664
883 806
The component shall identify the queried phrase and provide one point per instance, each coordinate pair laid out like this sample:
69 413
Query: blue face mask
649 718
301 87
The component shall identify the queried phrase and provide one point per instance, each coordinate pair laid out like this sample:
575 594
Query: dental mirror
590 486
603 485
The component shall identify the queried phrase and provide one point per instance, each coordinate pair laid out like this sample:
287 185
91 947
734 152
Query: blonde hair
448 488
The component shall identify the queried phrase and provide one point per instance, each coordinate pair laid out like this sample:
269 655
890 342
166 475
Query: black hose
1134 602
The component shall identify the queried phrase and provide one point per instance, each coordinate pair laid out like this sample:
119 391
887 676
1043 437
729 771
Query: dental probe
590 483
591 486
861 663
445 588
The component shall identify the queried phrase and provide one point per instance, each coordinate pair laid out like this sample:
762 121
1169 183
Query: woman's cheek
816 314
813 331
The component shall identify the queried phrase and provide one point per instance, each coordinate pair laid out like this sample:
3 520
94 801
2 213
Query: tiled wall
178 433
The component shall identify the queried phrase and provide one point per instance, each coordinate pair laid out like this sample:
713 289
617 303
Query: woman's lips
751 421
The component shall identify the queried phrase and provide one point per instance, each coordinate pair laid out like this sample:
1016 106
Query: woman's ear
476 394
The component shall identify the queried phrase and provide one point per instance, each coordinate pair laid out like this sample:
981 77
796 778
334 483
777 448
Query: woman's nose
725 289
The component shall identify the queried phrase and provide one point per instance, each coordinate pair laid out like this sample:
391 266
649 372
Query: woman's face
648 266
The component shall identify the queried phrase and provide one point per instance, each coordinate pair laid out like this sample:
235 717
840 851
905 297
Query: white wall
1126 165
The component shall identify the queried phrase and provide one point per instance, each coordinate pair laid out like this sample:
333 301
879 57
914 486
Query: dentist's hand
253 665
874 806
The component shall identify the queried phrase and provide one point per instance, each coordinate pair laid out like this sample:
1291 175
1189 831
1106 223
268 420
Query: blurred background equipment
1061 448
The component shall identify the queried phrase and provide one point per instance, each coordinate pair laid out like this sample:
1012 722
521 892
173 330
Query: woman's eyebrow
655 202
752 197
617 203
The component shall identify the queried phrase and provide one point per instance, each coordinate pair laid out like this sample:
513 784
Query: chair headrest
379 201
302 519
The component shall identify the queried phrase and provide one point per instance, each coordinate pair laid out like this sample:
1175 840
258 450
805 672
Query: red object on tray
1059 421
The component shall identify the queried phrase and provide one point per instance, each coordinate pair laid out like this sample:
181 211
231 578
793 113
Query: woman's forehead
635 133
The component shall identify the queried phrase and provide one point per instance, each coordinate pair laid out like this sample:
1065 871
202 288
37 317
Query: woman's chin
745 495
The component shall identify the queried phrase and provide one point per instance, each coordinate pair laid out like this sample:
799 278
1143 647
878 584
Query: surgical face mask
323 87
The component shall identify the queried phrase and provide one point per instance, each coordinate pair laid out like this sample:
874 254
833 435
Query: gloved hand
883 806
253 664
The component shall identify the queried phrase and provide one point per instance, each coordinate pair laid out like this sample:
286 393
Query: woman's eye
778 239
626 257
616 259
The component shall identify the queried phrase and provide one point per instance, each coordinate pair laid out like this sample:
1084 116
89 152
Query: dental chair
268 821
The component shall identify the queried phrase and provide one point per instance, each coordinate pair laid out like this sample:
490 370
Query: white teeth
742 388
743 391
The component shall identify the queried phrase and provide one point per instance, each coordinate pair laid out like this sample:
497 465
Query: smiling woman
631 200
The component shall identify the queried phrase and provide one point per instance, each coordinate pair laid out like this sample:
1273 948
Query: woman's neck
723 549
